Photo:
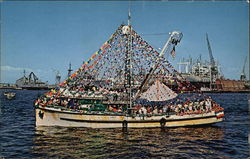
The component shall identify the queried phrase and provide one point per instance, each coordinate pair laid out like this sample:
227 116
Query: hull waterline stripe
135 121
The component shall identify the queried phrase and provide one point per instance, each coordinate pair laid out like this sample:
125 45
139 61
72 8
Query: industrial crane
213 67
35 78
212 62
243 74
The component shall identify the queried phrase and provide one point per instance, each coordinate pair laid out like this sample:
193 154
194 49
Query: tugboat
123 85
9 95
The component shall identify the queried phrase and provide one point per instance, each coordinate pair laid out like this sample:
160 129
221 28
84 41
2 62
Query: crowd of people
189 107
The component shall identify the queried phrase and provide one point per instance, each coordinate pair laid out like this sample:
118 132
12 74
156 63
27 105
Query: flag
173 52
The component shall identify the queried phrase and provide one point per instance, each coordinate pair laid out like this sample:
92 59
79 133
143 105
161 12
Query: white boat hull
56 117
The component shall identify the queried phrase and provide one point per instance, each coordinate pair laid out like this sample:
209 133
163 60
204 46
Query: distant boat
31 83
9 95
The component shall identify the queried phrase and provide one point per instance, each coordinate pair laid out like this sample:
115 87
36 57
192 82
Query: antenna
69 70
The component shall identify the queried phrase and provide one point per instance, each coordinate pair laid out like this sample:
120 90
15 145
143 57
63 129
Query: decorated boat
126 84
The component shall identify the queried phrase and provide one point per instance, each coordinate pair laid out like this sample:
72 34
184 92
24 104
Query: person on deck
155 111
71 103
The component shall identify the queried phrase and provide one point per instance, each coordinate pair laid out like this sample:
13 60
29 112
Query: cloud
21 69
10 68
9 74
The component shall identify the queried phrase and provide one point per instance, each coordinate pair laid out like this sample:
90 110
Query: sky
44 37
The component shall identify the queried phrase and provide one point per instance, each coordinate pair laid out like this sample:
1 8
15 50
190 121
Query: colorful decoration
106 67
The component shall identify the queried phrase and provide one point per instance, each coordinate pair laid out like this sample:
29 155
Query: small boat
9 95
106 90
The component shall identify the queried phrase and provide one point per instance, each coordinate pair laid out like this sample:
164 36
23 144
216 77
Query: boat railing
105 112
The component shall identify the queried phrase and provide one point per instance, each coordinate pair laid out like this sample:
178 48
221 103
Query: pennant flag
73 75
93 56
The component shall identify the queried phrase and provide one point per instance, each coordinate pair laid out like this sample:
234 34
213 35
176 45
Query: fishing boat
9 95
116 87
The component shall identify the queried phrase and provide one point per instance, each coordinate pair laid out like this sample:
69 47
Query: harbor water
19 138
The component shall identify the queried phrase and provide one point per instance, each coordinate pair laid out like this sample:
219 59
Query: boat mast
128 59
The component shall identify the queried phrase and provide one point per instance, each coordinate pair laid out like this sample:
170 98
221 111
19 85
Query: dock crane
212 62
213 67
33 77
243 74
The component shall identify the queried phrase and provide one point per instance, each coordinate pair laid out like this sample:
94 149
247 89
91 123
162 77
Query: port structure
186 65
212 67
